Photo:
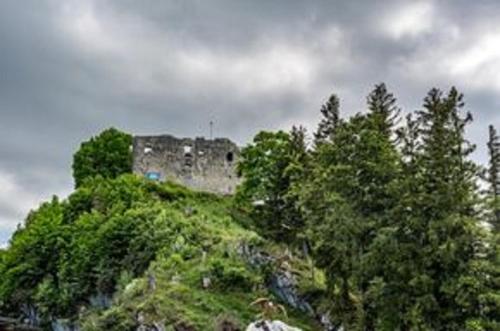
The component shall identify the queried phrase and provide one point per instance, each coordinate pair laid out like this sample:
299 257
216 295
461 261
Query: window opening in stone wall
230 157
188 156
188 160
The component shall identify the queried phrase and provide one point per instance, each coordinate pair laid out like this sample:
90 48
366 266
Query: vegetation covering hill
146 245
377 224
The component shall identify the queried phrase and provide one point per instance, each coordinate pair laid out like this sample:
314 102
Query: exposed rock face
270 326
283 284
201 164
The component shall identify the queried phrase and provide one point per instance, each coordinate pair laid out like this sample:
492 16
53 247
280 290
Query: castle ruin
201 164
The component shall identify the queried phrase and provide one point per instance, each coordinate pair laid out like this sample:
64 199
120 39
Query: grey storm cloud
69 69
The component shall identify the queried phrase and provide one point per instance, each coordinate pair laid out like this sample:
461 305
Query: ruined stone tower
201 164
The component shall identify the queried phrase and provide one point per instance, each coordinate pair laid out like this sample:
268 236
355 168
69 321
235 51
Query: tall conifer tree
442 232
347 202
383 108
330 120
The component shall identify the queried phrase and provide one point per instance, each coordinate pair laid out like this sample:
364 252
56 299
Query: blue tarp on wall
153 175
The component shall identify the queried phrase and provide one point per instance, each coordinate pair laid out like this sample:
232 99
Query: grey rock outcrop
271 326
283 284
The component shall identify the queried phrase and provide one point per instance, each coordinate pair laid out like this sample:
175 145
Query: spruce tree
441 232
346 202
330 120
383 108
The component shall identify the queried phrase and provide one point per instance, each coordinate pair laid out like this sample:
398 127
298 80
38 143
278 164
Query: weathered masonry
201 164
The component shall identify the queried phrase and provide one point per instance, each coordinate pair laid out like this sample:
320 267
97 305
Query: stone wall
201 164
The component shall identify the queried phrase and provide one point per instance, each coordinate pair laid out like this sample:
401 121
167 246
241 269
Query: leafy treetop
107 155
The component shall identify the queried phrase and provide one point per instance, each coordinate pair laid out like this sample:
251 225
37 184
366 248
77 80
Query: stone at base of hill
270 326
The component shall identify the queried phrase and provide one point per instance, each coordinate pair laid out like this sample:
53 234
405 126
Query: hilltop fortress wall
201 164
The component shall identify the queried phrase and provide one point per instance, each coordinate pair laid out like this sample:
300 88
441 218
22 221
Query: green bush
228 275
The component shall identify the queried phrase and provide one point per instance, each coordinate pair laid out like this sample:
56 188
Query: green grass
205 245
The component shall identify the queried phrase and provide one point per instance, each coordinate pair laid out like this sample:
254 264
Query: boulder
270 326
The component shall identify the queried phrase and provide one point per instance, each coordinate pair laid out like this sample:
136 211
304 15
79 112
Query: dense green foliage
346 196
107 155
271 165
393 214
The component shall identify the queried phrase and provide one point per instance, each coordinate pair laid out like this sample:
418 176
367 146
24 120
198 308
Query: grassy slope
204 224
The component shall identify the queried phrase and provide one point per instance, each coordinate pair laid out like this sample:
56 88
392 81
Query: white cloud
478 62
409 20
264 70
80 21
455 57
269 67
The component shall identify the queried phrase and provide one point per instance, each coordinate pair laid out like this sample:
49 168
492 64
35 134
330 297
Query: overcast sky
69 69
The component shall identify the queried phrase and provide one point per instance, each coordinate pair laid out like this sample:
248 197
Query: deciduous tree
107 155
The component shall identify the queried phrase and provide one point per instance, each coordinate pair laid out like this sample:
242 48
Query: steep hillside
126 253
